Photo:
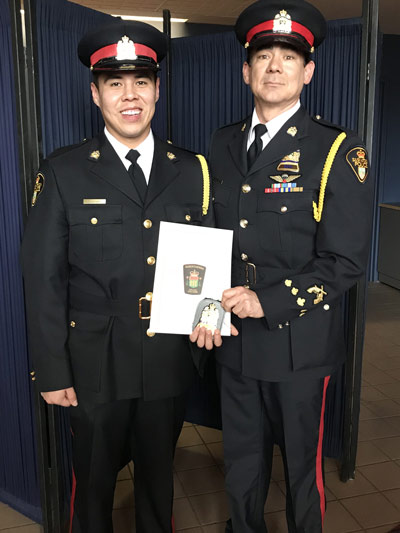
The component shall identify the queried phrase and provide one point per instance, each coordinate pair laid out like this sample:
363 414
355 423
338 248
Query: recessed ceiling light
148 19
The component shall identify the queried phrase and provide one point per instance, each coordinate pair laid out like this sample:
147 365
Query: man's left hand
243 302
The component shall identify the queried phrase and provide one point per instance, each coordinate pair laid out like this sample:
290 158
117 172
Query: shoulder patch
358 161
38 188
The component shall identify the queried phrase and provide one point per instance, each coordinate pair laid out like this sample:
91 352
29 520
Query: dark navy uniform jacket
88 255
299 267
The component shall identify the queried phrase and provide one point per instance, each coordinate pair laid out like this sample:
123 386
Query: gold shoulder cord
206 183
325 175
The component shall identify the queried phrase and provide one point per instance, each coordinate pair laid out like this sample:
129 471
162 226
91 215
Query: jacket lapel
163 171
105 163
283 143
238 146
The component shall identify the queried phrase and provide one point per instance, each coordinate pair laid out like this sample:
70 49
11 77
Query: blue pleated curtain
18 478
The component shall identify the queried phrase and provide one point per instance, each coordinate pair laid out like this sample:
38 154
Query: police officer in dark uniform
296 191
89 254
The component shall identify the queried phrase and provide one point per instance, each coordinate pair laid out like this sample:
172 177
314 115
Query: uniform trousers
255 415
104 438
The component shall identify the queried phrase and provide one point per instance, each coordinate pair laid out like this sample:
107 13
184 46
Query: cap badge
171 156
282 22
126 49
292 131
95 155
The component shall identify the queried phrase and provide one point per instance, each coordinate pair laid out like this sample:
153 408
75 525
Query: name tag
91 201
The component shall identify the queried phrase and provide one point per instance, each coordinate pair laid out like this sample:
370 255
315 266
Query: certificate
193 264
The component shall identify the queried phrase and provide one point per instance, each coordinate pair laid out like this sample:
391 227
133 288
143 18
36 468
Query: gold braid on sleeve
206 183
325 175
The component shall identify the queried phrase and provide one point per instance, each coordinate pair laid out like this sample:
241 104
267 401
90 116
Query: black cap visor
111 63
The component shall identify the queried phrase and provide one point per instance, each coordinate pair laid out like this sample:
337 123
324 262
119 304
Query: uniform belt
99 305
245 273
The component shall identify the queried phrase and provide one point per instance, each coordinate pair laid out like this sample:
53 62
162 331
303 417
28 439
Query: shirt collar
145 149
274 125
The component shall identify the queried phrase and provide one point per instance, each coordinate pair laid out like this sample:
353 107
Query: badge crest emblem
290 163
193 278
282 22
126 49
38 188
95 155
292 131
171 156
357 159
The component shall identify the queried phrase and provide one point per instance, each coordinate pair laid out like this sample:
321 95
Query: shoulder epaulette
66 149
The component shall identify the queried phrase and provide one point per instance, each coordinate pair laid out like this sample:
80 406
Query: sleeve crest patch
358 160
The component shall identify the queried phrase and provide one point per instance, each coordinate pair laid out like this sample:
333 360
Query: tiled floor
370 503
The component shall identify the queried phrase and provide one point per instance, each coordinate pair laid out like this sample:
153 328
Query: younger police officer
88 255
297 194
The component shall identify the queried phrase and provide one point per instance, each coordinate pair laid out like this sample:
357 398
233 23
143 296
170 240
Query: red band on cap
112 51
269 25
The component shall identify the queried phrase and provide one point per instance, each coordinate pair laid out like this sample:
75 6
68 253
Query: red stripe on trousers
73 492
319 477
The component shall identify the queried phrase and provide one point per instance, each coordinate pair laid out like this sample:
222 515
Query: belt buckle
148 298
254 274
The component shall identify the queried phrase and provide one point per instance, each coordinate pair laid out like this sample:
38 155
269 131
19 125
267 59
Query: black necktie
136 174
257 145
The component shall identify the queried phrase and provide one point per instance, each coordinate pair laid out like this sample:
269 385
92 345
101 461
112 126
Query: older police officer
88 255
296 191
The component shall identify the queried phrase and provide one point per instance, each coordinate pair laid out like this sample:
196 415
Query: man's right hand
64 397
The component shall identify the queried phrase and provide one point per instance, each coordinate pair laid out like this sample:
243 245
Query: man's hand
243 302
205 339
64 397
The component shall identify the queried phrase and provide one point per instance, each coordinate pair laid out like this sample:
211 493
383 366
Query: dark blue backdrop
18 480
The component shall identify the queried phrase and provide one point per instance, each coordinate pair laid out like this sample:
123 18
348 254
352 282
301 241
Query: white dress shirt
145 149
273 126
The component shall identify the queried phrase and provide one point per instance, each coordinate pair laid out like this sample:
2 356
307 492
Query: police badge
209 314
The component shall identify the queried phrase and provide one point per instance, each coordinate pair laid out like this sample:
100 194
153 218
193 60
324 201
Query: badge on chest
289 167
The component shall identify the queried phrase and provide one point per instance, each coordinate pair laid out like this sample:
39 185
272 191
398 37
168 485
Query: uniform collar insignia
244 127
171 156
292 131
95 155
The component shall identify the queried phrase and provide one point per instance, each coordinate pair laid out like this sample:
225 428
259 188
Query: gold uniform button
188 218
32 373
244 223
149 296
151 260
318 117
326 307
246 188
150 333
147 223
244 257
33 379
72 324
280 326
94 220
283 209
